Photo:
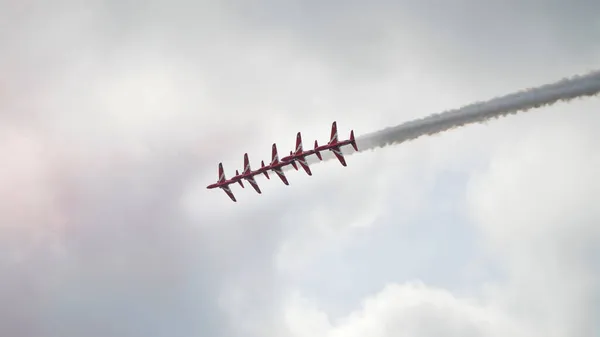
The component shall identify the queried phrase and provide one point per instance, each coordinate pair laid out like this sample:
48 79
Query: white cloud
409 309
533 203
535 206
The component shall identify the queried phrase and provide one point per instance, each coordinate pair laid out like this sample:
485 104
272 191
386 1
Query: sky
115 114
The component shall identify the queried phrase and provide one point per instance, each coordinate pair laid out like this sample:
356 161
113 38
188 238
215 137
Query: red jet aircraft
276 164
264 169
299 155
223 183
334 145
248 174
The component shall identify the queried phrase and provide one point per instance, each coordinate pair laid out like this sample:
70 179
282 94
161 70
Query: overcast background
114 115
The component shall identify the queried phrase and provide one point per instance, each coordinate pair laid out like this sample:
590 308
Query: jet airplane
277 164
299 155
334 145
223 183
248 174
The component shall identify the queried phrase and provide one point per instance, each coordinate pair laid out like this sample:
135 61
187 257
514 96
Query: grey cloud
467 41
113 253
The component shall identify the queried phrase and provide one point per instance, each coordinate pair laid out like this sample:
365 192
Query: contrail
564 90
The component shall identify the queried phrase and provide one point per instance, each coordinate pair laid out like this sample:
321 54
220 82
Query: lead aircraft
223 183
335 145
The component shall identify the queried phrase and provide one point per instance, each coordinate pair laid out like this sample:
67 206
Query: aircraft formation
297 156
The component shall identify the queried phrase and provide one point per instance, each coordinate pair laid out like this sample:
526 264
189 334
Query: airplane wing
221 173
317 152
298 143
246 164
304 164
334 133
274 155
274 165
339 155
254 184
262 166
281 175
229 193
237 173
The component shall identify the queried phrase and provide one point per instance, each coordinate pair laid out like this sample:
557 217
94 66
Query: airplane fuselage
293 157
263 169
326 147
332 146
246 175
281 163
221 184
297 156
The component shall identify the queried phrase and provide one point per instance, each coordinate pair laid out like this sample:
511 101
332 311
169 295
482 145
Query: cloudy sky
114 115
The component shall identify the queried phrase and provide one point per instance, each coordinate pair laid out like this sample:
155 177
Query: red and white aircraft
276 164
248 174
264 169
334 145
223 183
299 155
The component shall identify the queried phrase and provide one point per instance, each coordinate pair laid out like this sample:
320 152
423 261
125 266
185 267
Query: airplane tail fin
294 162
221 173
334 133
237 173
352 140
317 152
274 155
298 143
246 164
262 166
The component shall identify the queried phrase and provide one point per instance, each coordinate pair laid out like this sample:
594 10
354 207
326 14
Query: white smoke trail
564 90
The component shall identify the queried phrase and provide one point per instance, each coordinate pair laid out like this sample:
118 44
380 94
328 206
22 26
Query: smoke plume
563 90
